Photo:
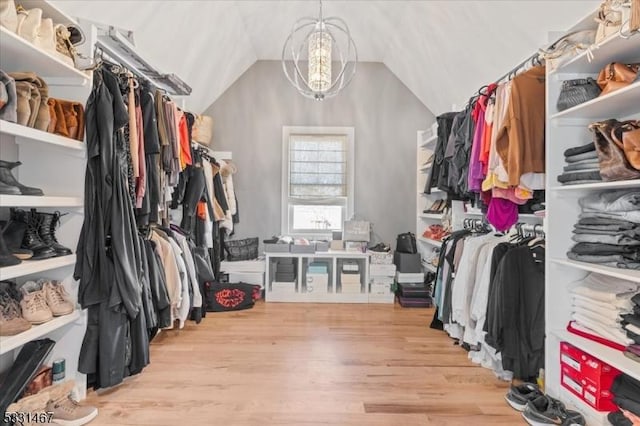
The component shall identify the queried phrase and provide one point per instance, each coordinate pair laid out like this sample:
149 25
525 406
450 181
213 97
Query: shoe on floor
11 321
67 412
57 297
519 396
34 404
545 410
34 303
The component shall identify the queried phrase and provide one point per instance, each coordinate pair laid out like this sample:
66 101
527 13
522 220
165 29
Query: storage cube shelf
24 134
620 184
623 274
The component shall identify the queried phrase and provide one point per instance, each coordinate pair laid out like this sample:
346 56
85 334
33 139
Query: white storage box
403 277
283 287
382 280
377 288
351 288
350 279
256 278
380 257
318 283
382 270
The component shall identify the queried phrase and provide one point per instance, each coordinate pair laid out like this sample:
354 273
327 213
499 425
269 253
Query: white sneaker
67 412
57 298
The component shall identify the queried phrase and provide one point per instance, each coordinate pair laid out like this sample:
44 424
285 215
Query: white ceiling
441 50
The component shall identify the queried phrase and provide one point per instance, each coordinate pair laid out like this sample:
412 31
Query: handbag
32 96
616 76
245 249
67 118
614 164
628 134
42 33
202 131
222 297
8 15
406 243
576 92
609 20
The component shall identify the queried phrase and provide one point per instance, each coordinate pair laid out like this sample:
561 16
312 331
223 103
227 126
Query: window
317 179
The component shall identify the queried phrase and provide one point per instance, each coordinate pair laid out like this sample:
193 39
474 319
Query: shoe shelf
431 140
603 353
39 201
29 267
591 416
17 54
520 216
9 343
437 216
623 274
430 241
620 184
612 49
620 103
29 135
429 267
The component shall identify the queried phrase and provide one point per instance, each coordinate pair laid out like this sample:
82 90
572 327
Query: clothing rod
517 67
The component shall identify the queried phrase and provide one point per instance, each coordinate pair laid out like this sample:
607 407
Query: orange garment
185 143
201 210
520 141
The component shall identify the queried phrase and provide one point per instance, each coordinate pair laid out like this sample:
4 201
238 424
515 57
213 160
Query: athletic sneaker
545 410
518 396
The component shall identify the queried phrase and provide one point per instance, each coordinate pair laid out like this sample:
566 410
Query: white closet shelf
49 11
429 267
437 216
24 133
520 216
430 241
618 104
613 49
17 54
39 201
623 274
600 185
429 141
611 356
9 343
29 267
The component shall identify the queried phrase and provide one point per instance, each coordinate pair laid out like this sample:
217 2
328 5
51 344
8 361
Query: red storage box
587 377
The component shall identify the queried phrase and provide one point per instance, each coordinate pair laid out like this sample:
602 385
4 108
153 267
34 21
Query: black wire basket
245 249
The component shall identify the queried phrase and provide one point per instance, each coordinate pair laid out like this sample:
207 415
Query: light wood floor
298 364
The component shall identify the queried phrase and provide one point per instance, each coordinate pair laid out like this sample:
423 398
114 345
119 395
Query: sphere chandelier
319 57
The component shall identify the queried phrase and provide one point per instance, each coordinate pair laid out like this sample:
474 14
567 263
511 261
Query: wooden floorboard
305 364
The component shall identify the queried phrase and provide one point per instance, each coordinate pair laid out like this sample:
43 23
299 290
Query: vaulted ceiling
441 50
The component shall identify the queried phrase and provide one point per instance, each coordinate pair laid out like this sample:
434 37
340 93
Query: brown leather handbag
628 135
67 118
615 76
614 164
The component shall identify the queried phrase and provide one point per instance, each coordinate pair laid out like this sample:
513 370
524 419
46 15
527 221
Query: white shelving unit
426 145
31 267
333 293
568 129
56 165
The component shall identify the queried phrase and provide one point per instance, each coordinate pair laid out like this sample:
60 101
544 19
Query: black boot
47 224
9 189
31 239
7 178
13 234
6 258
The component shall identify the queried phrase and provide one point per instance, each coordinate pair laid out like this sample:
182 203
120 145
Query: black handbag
222 297
406 243
576 92
245 249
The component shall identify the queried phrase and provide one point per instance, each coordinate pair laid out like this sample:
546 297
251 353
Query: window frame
286 218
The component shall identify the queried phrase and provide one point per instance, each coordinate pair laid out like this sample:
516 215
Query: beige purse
8 15
202 131
42 33
609 19
29 22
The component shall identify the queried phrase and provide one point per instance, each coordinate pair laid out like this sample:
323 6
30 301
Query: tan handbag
609 20
202 131
616 76
627 134
67 118
42 33
64 48
33 94
8 15
614 164
29 22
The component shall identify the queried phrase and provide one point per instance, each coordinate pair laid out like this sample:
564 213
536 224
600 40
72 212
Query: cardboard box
407 262
380 270
380 257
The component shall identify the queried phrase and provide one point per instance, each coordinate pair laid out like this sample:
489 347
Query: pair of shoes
36 232
43 300
9 185
11 321
380 247
55 400
438 206
539 409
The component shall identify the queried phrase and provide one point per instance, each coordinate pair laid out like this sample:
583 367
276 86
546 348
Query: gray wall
248 120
